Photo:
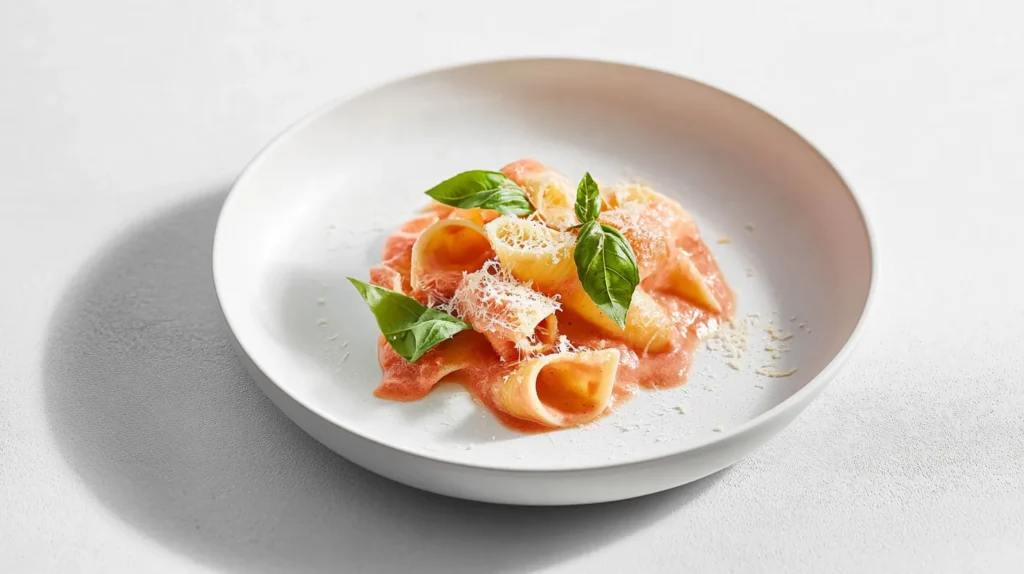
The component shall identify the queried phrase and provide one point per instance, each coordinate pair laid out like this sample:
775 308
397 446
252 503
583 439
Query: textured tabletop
132 441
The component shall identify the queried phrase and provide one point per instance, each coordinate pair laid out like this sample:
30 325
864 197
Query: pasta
561 389
397 257
550 192
661 231
443 252
648 327
515 319
533 253
670 214
495 302
683 278
651 241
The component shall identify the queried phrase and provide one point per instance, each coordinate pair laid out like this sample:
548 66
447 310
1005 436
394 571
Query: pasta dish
547 300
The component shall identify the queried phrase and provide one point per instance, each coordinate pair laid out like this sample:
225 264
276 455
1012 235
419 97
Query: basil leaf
588 199
606 266
410 328
484 189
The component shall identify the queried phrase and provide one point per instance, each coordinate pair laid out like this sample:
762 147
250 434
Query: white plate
316 205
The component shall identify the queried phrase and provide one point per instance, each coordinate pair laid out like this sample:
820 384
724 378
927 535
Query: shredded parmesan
724 240
770 372
552 196
730 339
564 345
495 302
778 335
731 343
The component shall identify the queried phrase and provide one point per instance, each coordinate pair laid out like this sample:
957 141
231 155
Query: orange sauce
469 359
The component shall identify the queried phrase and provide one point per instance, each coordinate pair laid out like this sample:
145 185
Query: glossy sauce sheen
468 359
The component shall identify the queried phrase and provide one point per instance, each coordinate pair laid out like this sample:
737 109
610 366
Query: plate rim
798 400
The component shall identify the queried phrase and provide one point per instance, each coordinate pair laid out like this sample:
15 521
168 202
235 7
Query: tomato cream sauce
469 360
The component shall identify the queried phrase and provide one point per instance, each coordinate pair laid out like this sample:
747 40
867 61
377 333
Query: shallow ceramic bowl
316 205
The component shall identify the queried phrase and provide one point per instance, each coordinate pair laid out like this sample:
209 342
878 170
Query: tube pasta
560 390
649 239
669 214
550 192
443 252
397 257
682 278
648 328
517 321
660 232
537 255
533 253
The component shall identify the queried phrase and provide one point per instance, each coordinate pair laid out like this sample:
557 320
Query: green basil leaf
484 189
606 266
588 199
410 328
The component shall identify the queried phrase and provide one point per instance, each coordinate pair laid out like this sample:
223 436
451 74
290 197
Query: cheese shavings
730 339
770 372
495 302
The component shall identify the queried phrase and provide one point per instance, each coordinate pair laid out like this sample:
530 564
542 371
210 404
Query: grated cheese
724 240
730 339
564 345
495 302
553 197
770 372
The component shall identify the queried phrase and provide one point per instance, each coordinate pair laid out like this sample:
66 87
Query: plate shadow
149 405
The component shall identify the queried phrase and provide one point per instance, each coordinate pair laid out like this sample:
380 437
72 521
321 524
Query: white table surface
132 441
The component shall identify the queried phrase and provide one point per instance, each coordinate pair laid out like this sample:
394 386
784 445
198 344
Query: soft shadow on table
149 405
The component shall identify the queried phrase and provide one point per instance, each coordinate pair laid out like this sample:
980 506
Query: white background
132 441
